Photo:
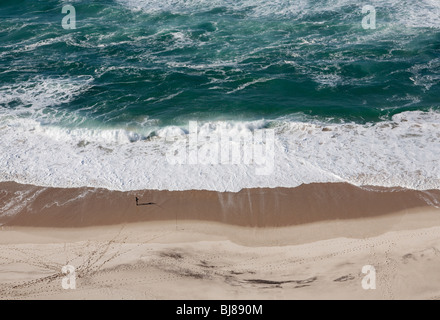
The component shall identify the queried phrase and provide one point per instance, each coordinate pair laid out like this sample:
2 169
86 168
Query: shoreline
32 206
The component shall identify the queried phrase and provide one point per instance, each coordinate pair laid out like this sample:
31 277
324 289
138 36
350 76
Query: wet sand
279 207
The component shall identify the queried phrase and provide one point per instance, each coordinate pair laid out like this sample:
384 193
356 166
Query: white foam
41 92
19 201
253 7
415 14
402 152
248 84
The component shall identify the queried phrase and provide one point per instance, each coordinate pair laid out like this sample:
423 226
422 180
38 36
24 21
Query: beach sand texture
222 245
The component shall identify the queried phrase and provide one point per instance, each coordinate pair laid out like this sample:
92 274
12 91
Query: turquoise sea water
139 66
177 60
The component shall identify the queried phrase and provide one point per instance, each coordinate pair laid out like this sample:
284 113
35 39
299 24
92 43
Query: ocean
96 106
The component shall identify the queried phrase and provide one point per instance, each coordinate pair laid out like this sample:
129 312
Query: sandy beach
231 149
208 245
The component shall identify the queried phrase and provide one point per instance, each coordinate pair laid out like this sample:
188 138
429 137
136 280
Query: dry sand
309 250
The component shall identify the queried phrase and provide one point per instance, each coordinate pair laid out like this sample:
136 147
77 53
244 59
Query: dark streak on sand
278 283
345 278
173 255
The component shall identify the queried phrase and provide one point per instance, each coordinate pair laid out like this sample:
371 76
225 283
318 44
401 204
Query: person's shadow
144 204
